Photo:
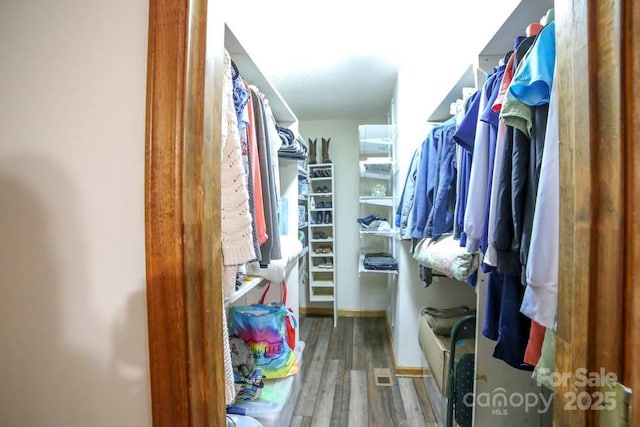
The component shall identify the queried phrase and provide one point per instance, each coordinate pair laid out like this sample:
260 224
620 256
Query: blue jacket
444 202
405 206
421 203
435 195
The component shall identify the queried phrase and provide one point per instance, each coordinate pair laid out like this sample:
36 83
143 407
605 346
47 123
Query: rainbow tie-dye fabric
263 328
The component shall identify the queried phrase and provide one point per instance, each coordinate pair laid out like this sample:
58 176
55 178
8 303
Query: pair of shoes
328 218
376 224
368 219
324 205
326 263
320 235
321 173
323 250
323 189
313 150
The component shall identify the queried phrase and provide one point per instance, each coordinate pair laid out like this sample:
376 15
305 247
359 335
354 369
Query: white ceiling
339 59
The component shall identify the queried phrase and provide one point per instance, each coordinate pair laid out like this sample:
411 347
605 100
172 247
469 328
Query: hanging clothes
496 177
541 296
465 137
236 234
440 219
241 99
404 216
259 220
270 249
476 213
434 197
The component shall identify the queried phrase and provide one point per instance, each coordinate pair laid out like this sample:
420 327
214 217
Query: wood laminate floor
339 386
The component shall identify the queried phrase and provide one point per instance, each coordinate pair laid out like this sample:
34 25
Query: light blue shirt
532 83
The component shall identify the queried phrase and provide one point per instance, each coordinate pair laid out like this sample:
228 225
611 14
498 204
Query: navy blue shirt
492 118
465 136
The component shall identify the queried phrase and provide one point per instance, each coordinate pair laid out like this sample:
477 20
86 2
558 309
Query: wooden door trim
631 129
599 300
182 202
607 165
575 201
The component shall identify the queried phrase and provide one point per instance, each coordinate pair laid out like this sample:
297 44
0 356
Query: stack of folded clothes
293 147
380 261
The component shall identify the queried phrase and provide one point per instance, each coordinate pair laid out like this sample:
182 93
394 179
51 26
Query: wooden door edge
184 296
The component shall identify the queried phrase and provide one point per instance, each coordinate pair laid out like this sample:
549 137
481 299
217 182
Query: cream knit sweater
237 237
237 240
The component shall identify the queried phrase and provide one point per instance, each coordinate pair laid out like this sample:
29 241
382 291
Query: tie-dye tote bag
263 328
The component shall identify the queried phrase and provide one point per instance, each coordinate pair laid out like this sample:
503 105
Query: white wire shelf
387 201
245 288
384 233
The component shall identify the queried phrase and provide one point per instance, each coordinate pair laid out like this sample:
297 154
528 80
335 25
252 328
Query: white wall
72 268
354 293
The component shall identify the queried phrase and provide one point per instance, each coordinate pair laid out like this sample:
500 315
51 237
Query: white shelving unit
323 278
303 222
377 167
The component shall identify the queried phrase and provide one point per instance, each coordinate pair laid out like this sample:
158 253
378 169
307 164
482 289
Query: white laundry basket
275 406
242 421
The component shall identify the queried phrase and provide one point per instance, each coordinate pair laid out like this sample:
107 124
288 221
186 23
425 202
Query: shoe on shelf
377 225
328 218
320 218
312 151
329 263
325 150
320 235
322 189
369 219
366 219
320 205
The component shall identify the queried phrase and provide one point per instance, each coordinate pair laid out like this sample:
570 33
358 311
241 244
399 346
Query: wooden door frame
631 128
182 213
182 203
599 303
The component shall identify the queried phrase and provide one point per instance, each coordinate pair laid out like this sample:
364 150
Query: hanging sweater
237 240
236 231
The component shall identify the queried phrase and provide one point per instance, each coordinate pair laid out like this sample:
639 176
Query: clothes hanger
234 70
505 58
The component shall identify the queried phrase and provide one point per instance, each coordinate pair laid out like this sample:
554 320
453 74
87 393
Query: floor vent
383 377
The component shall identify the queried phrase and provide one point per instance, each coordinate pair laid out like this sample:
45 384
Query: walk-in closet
430 251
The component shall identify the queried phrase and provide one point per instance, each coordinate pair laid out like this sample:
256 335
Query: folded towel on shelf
379 261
